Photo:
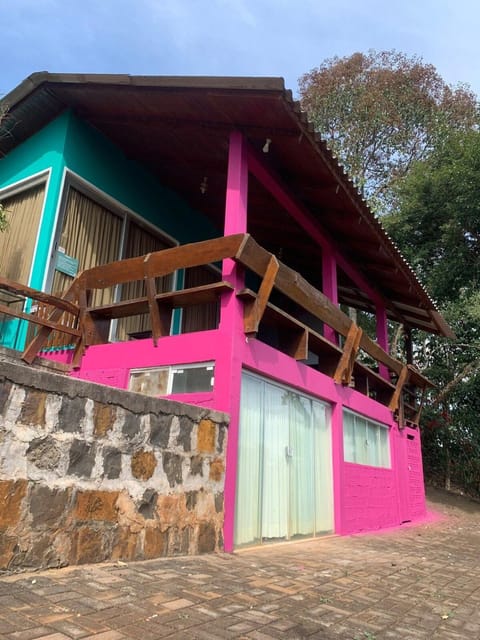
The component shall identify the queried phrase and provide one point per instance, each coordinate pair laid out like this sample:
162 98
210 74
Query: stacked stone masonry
90 473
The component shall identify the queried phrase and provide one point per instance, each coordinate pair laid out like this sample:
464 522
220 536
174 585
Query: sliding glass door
284 479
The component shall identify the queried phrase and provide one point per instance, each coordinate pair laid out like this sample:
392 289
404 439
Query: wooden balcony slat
34 294
158 317
396 396
307 338
344 369
255 309
376 381
43 322
293 285
418 379
202 294
124 309
41 338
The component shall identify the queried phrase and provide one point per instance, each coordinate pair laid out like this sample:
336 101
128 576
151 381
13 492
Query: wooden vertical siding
17 242
91 234
200 317
140 242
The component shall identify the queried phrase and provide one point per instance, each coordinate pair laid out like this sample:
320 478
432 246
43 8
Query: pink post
228 369
337 466
329 283
382 336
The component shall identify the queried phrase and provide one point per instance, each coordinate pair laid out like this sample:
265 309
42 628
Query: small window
162 381
151 382
364 441
192 379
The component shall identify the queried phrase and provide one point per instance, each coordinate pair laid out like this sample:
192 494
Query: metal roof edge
254 83
273 85
26 87
362 206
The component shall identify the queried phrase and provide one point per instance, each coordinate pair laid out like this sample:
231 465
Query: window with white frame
364 441
162 381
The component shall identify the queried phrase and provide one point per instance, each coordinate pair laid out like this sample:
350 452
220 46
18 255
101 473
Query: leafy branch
3 218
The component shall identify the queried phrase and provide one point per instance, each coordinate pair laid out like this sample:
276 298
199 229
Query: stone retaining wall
90 473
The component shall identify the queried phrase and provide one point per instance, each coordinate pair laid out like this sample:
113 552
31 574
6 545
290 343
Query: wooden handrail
248 253
27 292
43 322
38 342
295 287
161 263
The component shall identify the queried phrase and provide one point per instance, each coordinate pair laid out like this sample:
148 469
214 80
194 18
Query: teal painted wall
43 151
69 143
96 159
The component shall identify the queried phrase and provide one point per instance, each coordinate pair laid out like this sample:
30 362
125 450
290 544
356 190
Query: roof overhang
178 128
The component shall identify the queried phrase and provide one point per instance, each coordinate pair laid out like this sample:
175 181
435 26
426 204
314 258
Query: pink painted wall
369 498
365 498
416 486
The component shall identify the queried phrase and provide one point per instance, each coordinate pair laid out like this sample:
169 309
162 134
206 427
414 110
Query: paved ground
420 582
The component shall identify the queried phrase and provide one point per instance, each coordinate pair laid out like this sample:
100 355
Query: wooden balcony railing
86 323
61 328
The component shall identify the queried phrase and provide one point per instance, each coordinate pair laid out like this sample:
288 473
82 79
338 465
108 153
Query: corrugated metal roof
178 128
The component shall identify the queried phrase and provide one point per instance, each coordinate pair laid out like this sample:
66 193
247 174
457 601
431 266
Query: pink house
235 245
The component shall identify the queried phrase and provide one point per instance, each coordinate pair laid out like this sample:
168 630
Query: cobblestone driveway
417 583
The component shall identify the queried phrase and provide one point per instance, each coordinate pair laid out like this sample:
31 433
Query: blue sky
231 37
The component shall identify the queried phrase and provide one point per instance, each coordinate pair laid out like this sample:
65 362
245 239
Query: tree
437 226
437 223
379 112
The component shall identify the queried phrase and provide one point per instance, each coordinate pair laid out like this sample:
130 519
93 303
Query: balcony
280 308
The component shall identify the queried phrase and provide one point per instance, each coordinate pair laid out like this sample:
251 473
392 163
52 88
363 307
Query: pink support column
228 370
382 336
330 289
337 468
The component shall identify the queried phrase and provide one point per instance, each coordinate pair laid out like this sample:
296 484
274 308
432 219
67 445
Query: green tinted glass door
284 479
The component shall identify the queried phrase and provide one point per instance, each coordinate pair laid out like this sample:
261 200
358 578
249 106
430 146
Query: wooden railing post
343 374
255 309
41 338
402 380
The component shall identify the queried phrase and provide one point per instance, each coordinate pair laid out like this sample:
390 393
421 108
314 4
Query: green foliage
3 218
438 222
438 228
412 144
451 438
380 112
